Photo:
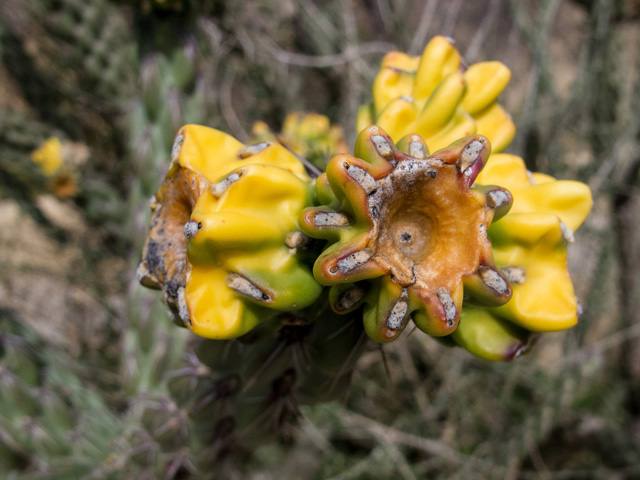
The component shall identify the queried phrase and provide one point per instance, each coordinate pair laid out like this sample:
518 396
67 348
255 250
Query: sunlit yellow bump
391 83
396 116
485 81
496 124
458 127
439 59
506 170
214 309
400 60
214 153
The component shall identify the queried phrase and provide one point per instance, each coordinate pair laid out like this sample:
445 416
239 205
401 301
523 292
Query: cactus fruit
310 135
410 237
436 97
458 241
224 244
530 246
225 248
413 228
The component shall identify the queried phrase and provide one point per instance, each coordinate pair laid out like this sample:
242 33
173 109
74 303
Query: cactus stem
354 260
244 287
256 375
293 321
250 150
515 275
217 189
493 280
449 307
352 353
221 389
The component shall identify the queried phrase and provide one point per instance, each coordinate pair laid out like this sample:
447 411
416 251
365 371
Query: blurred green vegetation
93 375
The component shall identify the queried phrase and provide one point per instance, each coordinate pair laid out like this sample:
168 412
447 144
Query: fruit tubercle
224 244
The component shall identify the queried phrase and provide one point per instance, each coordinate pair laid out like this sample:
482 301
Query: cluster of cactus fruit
467 244
240 234
285 271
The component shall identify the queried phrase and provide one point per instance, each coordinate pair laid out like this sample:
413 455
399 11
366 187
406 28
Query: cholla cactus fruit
530 246
438 98
412 226
310 135
224 241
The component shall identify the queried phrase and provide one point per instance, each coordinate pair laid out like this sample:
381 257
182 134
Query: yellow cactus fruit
435 97
530 244
310 135
407 233
224 241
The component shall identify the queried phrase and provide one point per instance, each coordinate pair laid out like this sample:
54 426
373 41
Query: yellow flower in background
224 239
436 97
49 156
